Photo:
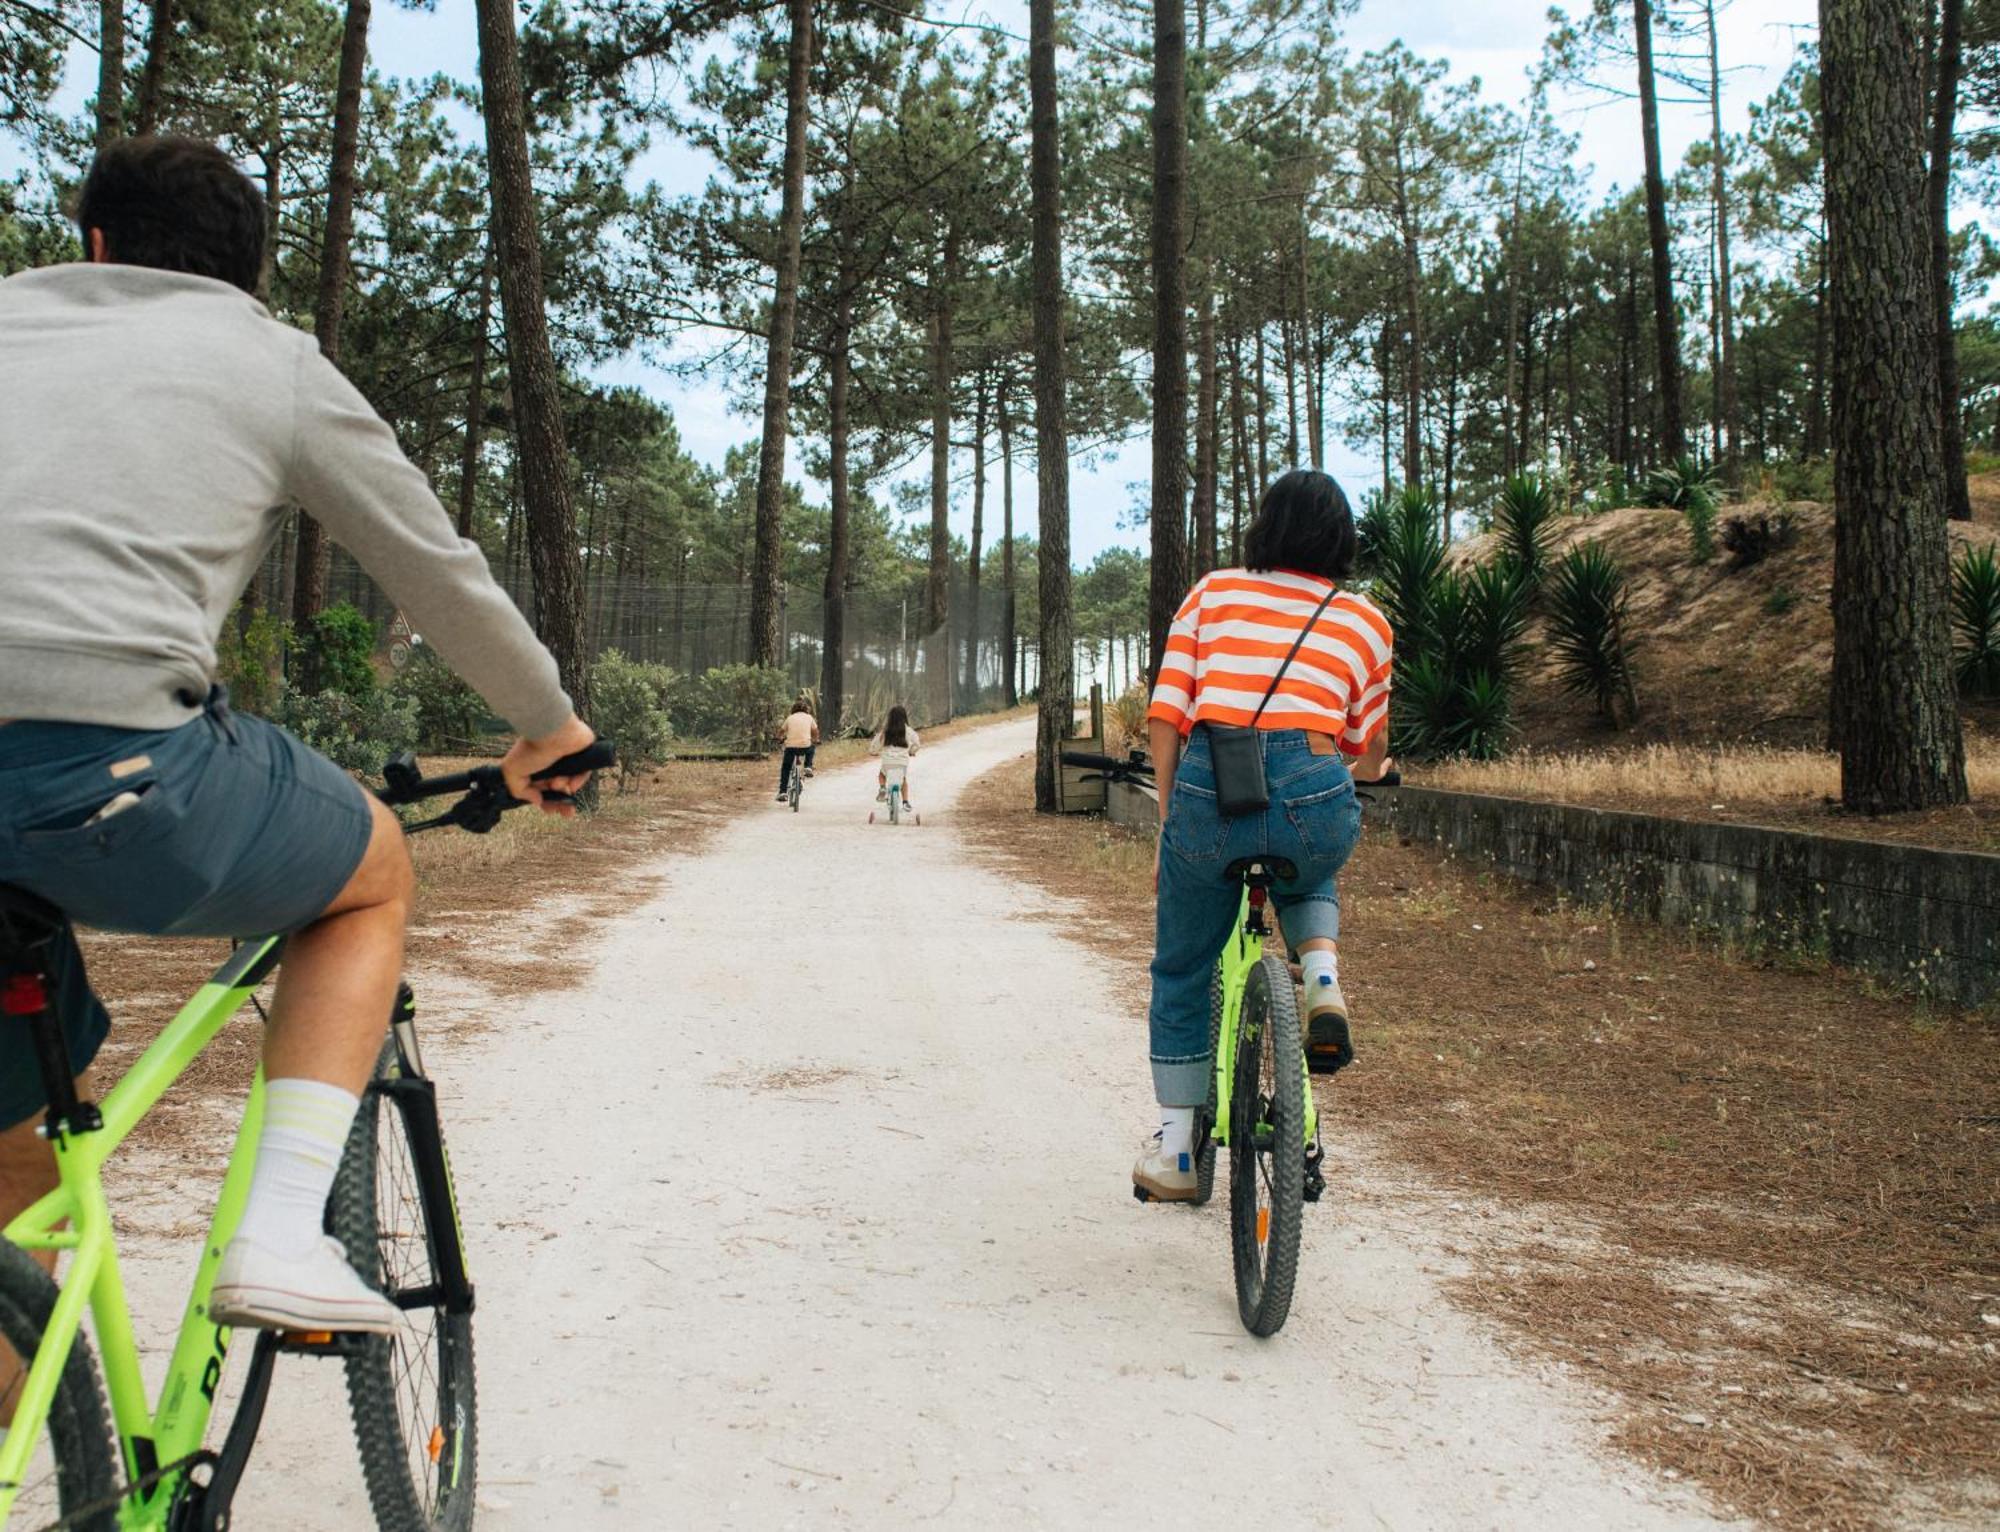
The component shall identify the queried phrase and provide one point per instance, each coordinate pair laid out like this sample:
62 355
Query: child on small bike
1279 646
895 742
801 738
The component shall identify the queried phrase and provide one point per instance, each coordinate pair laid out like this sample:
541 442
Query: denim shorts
238 830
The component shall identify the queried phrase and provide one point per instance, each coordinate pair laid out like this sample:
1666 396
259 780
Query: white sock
305 1129
1176 1131
1321 972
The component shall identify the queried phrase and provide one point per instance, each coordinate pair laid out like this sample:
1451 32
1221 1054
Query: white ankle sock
1176 1131
305 1129
1321 972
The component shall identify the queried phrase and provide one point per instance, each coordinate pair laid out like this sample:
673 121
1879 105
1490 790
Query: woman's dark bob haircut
1303 523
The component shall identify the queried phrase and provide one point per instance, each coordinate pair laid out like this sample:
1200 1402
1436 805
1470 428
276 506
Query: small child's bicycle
797 791
149 1465
895 812
1260 1102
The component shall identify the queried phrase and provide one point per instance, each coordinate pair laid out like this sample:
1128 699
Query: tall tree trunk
1511 453
1169 581
1205 455
314 556
1725 302
1051 431
1245 490
153 77
937 584
767 567
110 71
274 194
1287 350
978 531
475 399
1816 402
540 445
1262 405
1315 447
1010 679
833 620
1413 363
1893 712
1957 498
1673 435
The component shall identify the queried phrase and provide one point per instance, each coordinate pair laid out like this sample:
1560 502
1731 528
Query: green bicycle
1260 1102
147 1467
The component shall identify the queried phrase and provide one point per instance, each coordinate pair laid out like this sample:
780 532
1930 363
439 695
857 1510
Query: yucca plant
1424 708
1485 716
1496 599
1687 485
1407 564
1525 519
1975 621
1586 628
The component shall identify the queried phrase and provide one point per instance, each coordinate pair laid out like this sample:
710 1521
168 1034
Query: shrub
628 704
1586 622
1686 485
1975 621
1525 519
1127 717
1780 601
1452 691
337 653
737 705
359 733
250 660
1408 560
449 714
1751 541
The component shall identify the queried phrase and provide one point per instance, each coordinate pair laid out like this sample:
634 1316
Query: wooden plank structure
1074 795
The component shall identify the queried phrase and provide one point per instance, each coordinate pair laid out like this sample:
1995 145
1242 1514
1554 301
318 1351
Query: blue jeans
1313 821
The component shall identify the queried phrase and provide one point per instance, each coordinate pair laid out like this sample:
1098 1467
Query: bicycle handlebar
1118 770
486 796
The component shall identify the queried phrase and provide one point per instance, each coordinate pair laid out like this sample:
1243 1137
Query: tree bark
1057 674
1510 445
314 556
1309 364
1673 435
833 622
1244 491
1413 365
1206 472
937 585
541 448
110 71
1169 581
475 400
1893 711
971 697
1009 675
1950 60
1725 302
767 564
153 76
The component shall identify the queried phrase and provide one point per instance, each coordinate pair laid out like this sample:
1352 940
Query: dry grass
1746 784
1756 1199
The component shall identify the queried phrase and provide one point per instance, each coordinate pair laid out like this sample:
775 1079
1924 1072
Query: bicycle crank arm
206 1507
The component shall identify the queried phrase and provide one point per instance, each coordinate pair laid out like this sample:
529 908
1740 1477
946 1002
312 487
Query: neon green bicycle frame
147 1436
1243 952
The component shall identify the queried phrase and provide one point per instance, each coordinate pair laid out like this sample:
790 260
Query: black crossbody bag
1236 754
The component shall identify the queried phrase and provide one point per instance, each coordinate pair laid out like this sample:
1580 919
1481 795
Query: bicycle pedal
323 1343
1315 1176
1141 1193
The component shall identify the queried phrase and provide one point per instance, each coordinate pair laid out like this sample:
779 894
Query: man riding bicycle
155 424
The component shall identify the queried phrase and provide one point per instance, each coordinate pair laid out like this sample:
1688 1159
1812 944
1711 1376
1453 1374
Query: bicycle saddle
26 920
1261 869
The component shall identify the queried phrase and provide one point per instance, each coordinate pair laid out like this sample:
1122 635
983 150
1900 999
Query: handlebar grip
1096 762
595 756
1387 779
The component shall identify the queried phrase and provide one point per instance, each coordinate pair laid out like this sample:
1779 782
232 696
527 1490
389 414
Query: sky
1498 41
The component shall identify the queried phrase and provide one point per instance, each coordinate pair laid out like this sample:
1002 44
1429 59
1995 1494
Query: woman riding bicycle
1281 647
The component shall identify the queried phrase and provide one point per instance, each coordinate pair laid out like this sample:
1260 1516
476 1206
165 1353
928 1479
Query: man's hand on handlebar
529 756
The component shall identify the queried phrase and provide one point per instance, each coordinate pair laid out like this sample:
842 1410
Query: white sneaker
315 1291
1159 1177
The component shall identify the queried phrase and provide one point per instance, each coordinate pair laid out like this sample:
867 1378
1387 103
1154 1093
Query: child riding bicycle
895 742
801 737
1280 648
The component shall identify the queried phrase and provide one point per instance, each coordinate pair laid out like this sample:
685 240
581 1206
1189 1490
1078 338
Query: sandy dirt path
811 1209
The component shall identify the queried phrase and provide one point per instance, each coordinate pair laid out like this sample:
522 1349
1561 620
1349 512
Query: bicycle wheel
895 804
1267 1116
411 1394
75 1465
1204 1160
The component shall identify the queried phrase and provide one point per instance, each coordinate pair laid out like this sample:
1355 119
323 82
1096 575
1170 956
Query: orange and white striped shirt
1233 632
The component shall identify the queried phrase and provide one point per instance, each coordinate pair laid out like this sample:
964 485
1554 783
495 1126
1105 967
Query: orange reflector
311 1337
437 1442
1263 1225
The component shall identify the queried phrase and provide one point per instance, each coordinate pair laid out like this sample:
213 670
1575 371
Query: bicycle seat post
24 998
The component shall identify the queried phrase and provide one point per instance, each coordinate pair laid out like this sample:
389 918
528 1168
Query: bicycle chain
81 1514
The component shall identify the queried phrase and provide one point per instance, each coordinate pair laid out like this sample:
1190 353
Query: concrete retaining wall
1924 918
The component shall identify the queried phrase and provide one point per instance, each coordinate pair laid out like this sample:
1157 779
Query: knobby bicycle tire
79 1427
1267 1116
413 1396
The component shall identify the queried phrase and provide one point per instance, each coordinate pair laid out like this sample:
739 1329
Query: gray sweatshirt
153 427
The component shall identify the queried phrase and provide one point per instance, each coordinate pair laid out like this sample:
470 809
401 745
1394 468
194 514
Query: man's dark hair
176 204
1303 523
